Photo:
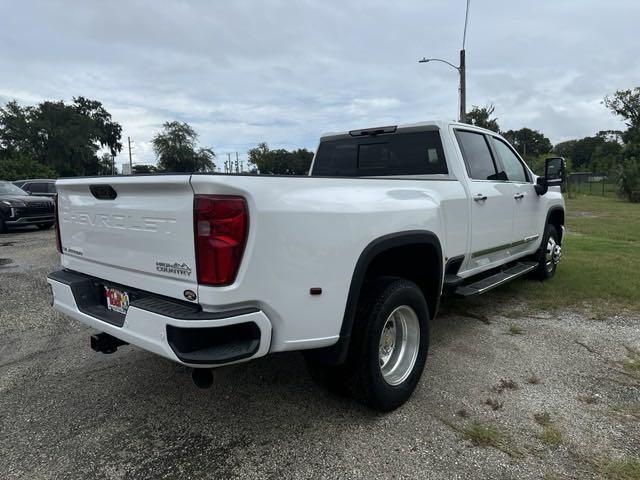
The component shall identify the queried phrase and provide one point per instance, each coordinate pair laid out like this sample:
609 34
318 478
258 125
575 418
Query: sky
284 72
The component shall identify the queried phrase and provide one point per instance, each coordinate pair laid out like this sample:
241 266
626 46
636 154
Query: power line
466 19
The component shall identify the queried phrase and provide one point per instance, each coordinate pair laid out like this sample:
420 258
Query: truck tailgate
142 238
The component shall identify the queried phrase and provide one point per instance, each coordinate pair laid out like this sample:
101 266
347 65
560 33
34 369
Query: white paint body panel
304 232
121 240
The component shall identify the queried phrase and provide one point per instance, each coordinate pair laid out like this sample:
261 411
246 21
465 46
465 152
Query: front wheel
45 226
550 253
388 348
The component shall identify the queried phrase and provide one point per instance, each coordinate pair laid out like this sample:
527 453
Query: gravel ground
67 412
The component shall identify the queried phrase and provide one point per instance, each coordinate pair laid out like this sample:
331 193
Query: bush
629 180
19 167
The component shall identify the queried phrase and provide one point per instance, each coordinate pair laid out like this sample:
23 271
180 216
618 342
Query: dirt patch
579 214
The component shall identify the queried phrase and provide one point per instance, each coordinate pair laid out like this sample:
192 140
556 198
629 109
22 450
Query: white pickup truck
347 264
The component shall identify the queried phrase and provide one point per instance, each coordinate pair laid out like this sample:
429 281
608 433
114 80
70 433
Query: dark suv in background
45 187
18 208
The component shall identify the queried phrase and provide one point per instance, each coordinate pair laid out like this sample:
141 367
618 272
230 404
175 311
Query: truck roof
407 127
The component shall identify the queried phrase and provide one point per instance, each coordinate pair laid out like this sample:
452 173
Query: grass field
600 267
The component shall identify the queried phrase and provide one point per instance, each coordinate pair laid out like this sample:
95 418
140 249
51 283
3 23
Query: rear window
393 154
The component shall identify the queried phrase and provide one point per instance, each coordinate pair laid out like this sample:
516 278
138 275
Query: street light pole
463 87
462 69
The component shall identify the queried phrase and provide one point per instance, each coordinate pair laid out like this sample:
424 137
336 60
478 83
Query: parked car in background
18 208
45 187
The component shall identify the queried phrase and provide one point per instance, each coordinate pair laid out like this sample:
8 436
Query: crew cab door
491 202
528 220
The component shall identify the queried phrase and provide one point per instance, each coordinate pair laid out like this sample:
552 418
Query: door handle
518 196
479 197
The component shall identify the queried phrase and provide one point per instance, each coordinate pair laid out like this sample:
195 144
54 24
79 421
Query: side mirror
553 175
554 171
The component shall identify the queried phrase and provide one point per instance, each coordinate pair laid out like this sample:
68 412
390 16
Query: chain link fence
589 183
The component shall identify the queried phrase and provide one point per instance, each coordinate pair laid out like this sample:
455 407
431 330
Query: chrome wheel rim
553 254
399 345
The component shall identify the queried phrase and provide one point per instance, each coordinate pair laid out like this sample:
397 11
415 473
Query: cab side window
37 187
477 155
513 167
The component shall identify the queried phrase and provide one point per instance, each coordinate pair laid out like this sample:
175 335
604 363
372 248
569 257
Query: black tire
361 376
45 226
547 269
3 226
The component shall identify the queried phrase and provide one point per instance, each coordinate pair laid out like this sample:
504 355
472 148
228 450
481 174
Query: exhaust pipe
202 377
105 343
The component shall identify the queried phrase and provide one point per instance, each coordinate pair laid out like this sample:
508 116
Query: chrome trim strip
488 251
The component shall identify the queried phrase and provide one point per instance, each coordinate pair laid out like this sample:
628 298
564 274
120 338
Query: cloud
283 72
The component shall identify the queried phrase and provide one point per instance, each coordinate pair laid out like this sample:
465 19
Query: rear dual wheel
388 349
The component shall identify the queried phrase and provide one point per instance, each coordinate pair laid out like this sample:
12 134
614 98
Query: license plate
117 300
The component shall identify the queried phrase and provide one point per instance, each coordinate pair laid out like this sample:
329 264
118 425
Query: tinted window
512 165
336 158
51 188
394 154
477 155
7 188
36 187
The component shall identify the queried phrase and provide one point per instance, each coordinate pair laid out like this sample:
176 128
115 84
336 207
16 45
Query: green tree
64 137
106 165
20 167
176 147
481 117
565 149
17 136
600 153
626 104
528 143
280 161
629 179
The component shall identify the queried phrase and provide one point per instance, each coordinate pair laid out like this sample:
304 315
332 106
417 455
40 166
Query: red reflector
57 217
221 223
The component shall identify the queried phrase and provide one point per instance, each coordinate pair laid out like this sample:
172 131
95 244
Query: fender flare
551 211
337 353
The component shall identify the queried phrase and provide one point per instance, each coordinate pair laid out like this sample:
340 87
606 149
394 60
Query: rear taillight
57 217
221 223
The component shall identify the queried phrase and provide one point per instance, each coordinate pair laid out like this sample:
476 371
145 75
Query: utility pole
463 88
462 70
130 159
